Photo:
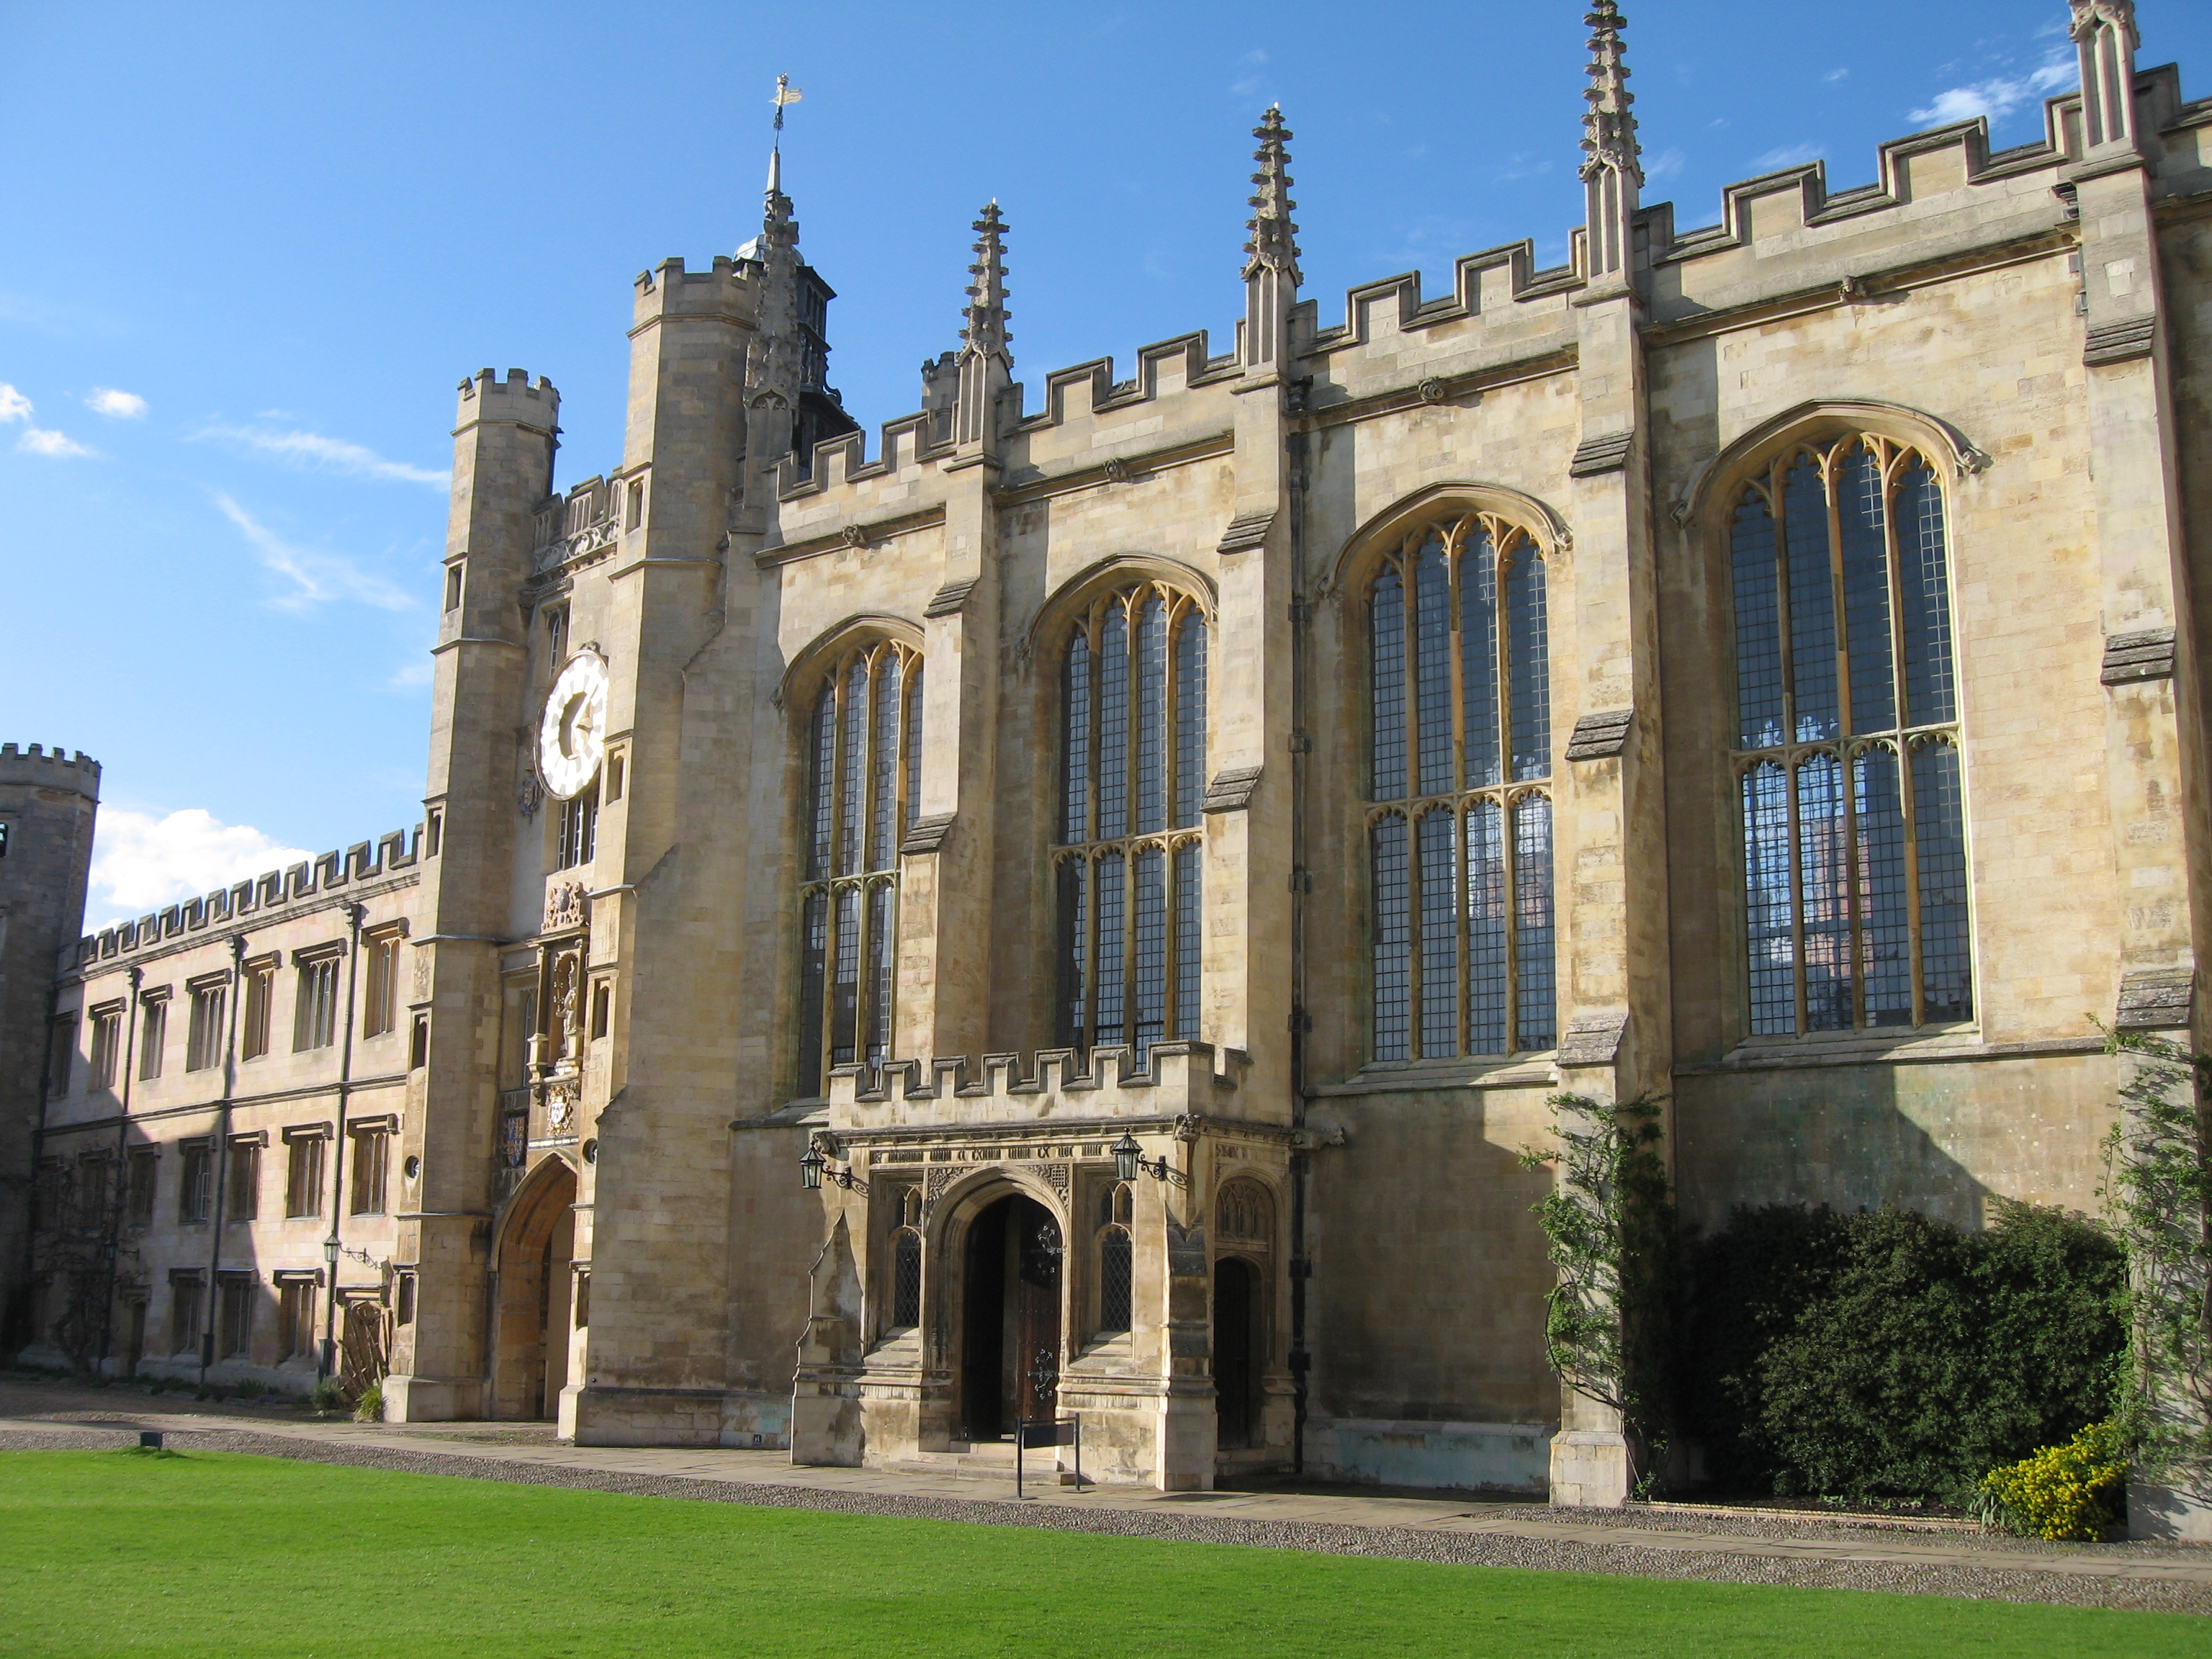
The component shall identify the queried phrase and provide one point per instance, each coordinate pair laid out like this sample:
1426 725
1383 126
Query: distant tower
48 803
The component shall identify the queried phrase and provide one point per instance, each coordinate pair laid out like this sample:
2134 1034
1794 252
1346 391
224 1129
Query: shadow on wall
1835 1135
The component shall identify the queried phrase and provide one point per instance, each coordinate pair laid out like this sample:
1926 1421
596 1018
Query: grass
113 1553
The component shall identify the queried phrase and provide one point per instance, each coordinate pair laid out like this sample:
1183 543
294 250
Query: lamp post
330 1292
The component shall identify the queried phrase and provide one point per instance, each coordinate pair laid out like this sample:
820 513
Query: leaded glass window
863 789
1464 946
1127 862
1847 743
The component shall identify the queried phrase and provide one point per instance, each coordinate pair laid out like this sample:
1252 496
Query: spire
984 330
1613 166
985 366
1271 255
776 361
2104 32
1274 244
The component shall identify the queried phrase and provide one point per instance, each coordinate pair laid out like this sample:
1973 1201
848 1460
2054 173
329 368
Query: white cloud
118 405
39 441
14 405
413 676
2000 96
1835 75
1789 156
312 449
318 577
140 862
1667 164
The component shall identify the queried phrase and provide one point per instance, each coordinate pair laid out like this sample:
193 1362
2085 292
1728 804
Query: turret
48 802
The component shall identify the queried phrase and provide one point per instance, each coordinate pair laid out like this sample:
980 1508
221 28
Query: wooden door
1036 1292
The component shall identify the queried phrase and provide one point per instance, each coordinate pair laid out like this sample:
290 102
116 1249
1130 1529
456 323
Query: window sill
1928 1044
1511 1072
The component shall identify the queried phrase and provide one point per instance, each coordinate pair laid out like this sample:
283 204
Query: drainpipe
1301 620
356 914
219 1217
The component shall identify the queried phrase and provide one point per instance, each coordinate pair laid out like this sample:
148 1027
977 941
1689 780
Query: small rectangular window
602 998
452 587
634 519
433 827
380 1017
418 1048
579 830
242 1187
315 1011
184 1292
403 1309
145 1166
195 1182
303 1176
107 1047
372 1159
583 1315
61 1053
234 1330
204 1037
614 777
296 1316
153 1030
260 984
95 1189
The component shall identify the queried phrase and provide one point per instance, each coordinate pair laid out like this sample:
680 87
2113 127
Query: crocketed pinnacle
2120 13
1608 130
1273 245
984 330
776 358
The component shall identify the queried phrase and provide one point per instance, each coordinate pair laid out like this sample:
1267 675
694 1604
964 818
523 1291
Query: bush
327 1396
369 1408
1887 1355
2069 1492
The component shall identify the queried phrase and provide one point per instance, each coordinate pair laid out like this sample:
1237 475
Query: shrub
2069 1492
369 1408
327 1396
1887 1355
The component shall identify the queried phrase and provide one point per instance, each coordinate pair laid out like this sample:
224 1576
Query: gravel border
1405 1543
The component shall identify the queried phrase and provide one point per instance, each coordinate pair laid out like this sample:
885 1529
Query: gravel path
1475 1548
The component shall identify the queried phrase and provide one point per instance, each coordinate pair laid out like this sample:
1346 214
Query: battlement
263 897
1179 1079
726 290
485 396
50 768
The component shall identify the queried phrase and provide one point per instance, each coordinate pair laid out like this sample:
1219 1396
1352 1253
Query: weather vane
785 93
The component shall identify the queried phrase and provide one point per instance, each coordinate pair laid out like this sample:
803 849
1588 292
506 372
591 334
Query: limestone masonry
1074 904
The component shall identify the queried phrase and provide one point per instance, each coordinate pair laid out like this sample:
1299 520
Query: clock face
572 733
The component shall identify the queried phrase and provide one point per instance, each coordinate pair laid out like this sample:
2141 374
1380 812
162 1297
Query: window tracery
905 1262
863 790
1126 865
1116 1268
1847 743
1464 948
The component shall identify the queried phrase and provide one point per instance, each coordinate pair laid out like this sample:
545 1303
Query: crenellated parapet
1178 1079
266 898
50 768
519 400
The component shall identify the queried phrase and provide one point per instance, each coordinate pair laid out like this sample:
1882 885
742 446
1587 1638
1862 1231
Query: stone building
1081 907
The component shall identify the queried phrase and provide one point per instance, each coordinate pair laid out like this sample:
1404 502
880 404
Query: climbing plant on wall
1609 1223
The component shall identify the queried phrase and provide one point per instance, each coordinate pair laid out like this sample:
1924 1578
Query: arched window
905 1262
1460 841
863 787
1854 816
1128 860
1116 1269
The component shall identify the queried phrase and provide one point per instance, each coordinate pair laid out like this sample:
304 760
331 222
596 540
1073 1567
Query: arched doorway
1010 1344
1236 1352
530 1355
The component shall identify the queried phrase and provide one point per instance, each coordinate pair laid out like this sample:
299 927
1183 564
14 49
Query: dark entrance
1010 1356
1235 1348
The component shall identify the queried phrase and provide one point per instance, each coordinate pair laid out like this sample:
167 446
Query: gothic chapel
1075 904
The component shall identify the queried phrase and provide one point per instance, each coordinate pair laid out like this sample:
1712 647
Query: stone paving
1855 1553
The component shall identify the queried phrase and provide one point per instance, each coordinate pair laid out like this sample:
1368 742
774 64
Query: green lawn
202 1553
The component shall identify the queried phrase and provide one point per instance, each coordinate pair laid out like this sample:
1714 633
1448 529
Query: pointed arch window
1126 863
905 1262
1464 946
863 787
1116 1264
1847 759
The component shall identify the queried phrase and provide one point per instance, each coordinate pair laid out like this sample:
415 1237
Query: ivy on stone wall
1609 1222
2159 1190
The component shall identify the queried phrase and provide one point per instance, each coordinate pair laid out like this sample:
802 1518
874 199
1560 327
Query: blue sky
251 249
